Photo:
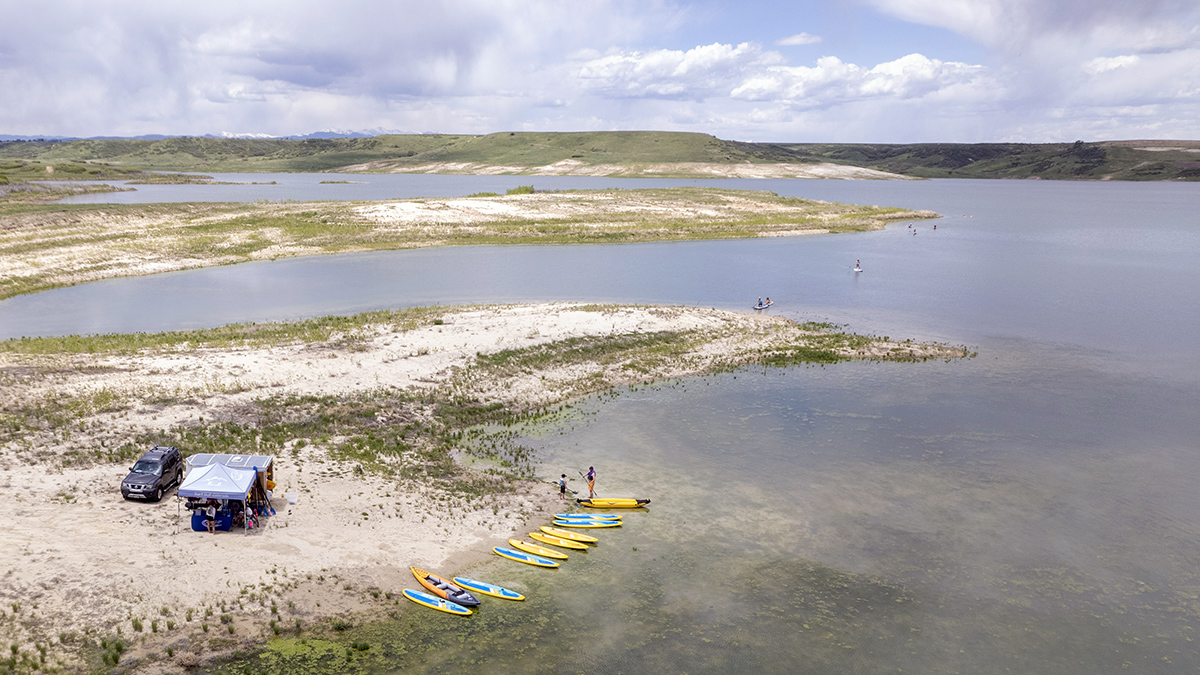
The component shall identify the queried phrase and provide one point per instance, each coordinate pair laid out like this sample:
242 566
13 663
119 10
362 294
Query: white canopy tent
217 481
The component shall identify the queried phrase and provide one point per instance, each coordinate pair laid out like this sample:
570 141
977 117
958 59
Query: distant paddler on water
857 265
763 305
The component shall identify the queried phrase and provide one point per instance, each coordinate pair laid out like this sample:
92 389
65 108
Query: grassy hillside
104 159
1113 160
398 151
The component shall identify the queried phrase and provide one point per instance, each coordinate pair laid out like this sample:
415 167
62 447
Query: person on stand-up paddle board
591 481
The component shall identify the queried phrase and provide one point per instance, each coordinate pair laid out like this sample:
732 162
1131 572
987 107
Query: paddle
568 489
583 477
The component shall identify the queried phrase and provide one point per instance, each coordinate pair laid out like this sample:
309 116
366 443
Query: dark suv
157 470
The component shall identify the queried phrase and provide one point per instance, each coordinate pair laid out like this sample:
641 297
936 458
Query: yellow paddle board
567 534
613 503
557 541
536 550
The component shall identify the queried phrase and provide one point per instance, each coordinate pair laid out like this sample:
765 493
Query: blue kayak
521 556
488 589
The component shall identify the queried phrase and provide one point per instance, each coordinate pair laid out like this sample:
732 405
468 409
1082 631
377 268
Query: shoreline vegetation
402 426
47 246
616 153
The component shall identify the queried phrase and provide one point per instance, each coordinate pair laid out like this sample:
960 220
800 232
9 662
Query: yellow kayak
613 503
567 534
535 549
557 541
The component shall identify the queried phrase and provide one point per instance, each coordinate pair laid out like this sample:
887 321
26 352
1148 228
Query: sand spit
47 249
78 564
572 167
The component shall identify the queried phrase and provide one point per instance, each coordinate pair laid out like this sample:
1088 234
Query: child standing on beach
562 487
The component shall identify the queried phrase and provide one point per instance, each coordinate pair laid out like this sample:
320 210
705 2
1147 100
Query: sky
882 71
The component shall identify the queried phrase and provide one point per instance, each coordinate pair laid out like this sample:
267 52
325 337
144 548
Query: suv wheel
158 494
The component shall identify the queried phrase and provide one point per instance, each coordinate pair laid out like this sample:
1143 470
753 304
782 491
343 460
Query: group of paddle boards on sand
458 597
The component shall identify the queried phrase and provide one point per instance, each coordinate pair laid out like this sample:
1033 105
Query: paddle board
434 602
523 557
566 534
587 523
558 541
536 550
587 516
488 589
613 503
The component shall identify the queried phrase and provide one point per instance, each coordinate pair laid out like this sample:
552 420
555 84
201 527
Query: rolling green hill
105 159
1111 160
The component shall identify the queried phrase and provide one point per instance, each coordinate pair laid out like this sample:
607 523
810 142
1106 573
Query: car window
147 466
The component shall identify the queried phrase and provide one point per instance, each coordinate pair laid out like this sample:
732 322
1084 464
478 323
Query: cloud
747 73
1054 69
798 39
697 73
1102 64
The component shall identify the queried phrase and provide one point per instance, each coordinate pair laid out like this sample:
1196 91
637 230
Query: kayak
565 534
434 602
576 522
444 589
557 541
523 557
488 589
587 516
613 503
536 550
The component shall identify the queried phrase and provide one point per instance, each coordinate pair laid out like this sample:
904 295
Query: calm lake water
1030 510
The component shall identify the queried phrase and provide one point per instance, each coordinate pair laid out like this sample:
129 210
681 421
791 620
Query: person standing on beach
591 481
210 516
562 487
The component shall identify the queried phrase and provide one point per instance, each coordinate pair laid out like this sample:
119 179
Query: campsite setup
237 487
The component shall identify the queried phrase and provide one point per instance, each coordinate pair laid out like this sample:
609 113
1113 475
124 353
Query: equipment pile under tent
239 486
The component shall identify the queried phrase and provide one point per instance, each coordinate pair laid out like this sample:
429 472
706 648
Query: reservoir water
1029 510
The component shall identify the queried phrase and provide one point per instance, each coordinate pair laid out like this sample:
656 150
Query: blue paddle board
434 602
521 556
488 589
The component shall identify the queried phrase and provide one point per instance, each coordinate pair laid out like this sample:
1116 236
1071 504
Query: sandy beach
78 563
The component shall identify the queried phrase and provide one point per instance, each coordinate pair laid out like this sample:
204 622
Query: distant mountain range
324 133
